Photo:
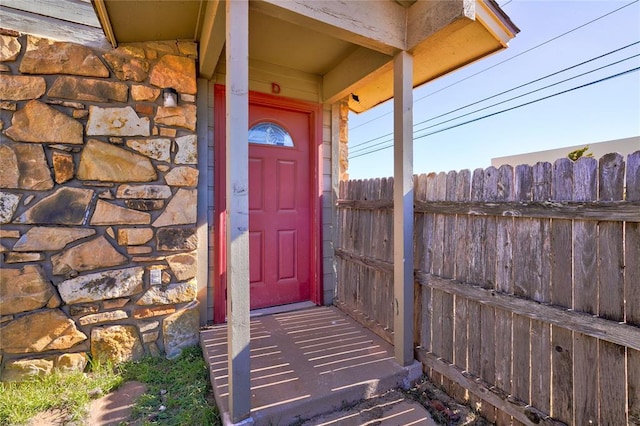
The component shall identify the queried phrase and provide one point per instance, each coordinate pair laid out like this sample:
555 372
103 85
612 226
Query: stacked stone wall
97 203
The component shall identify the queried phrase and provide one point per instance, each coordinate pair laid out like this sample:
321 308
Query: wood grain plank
541 365
632 245
610 331
450 233
521 380
561 236
448 269
438 230
31 23
585 294
585 379
632 273
526 414
463 193
488 348
477 231
505 229
633 385
489 193
562 295
613 211
611 357
460 339
474 329
420 247
437 267
610 241
611 372
542 180
387 293
633 177
562 375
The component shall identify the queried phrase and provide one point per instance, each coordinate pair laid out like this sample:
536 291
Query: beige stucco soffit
425 18
360 66
442 36
212 38
366 68
378 25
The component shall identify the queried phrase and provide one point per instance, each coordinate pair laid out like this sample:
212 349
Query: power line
368 141
508 109
501 102
505 60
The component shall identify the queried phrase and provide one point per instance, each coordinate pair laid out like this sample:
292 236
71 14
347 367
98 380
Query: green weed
67 392
181 386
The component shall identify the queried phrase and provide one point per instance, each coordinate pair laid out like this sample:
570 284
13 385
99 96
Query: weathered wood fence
527 285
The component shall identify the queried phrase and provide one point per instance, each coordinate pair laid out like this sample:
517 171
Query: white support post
403 207
237 193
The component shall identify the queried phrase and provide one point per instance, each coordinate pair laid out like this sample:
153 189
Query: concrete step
307 363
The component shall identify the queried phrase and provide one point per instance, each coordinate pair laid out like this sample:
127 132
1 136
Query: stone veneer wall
97 197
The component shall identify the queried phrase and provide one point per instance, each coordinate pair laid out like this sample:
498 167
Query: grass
69 392
180 385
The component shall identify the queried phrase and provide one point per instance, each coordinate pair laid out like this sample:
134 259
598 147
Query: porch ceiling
349 46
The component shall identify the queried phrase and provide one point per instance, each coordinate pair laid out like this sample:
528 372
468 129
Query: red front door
279 206
284 202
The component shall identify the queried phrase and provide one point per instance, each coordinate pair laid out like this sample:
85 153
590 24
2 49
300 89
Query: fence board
585 379
633 385
585 296
610 331
610 211
526 414
540 338
505 230
610 242
613 396
387 282
504 284
474 337
422 263
542 177
462 193
565 346
448 269
489 193
611 293
561 294
541 365
632 251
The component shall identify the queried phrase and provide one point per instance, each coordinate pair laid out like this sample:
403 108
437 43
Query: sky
599 112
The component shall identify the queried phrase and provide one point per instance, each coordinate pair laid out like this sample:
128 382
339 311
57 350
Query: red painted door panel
279 211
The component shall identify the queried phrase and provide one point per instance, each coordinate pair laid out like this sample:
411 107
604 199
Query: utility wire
368 141
504 61
499 103
507 109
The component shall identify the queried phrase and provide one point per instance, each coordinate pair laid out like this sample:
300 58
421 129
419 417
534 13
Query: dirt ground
444 409
114 409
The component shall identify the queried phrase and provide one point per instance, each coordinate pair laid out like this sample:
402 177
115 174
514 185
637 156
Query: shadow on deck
307 363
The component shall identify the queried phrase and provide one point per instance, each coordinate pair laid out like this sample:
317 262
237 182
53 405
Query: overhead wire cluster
385 141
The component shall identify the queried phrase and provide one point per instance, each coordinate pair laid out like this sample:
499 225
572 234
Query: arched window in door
268 133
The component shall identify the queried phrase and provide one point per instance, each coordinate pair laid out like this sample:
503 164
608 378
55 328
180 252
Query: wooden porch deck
306 363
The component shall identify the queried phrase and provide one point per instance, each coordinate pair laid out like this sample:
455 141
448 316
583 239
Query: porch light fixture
170 97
